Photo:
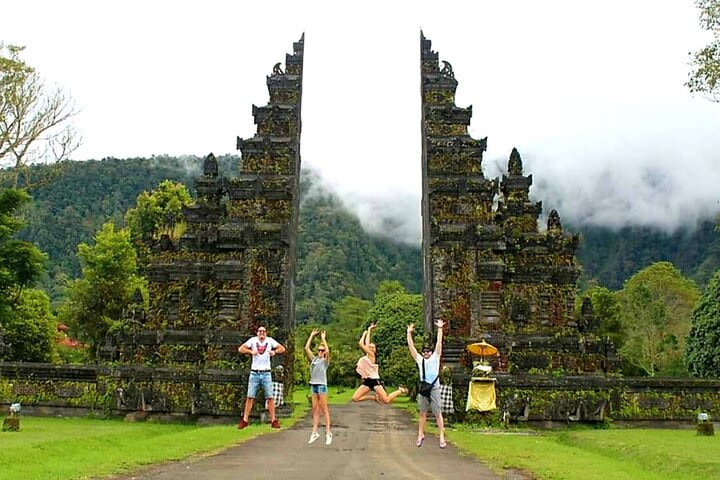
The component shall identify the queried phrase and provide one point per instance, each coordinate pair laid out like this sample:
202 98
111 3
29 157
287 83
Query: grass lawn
617 454
74 448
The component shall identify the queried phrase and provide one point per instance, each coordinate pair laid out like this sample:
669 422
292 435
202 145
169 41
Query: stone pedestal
11 424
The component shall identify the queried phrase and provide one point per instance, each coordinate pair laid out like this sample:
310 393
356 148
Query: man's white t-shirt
261 361
432 367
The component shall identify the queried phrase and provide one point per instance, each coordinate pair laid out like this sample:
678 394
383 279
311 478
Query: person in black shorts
369 372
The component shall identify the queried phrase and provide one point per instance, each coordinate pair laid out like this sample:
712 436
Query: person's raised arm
369 332
325 344
308 352
361 343
410 342
439 344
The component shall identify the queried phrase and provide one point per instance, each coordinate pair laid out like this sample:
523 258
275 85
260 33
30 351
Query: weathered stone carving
232 270
447 70
553 222
489 269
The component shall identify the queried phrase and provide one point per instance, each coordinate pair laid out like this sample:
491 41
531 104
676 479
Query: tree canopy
34 117
702 352
705 75
655 308
21 263
96 301
25 320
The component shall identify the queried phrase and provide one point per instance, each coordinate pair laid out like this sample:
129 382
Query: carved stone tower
231 271
488 269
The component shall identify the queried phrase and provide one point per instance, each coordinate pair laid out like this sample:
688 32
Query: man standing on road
261 347
429 366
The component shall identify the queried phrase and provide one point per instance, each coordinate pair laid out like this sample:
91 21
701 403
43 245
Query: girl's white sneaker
313 436
328 438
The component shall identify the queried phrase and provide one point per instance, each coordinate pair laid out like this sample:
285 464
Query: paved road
370 441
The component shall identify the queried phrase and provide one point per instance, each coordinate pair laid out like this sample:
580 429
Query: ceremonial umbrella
482 349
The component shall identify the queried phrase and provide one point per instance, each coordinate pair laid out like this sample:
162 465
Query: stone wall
547 400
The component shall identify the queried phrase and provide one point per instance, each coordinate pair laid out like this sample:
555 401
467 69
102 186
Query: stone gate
230 272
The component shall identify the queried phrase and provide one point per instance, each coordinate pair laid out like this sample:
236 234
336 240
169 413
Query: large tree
30 328
702 353
156 213
705 75
95 302
21 263
606 308
159 212
655 308
34 117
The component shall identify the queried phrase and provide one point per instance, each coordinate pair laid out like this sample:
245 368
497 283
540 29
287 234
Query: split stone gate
488 270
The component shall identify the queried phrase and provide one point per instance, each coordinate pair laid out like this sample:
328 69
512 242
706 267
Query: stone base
11 424
705 428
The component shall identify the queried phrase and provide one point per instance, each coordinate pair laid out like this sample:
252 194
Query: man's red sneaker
242 424
275 424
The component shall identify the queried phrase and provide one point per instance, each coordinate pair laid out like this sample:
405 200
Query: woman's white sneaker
313 436
328 438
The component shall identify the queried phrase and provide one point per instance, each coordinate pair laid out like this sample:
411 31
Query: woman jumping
368 370
318 385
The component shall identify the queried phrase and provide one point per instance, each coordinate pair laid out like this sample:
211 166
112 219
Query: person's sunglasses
427 351
321 349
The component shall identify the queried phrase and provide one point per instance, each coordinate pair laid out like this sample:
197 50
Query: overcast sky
591 93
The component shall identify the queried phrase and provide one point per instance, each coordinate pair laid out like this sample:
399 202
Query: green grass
617 454
75 448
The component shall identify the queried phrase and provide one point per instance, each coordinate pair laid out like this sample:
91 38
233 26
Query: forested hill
613 256
336 257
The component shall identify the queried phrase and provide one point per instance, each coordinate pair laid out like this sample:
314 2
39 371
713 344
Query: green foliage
702 352
606 308
705 75
656 304
337 258
393 313
21 263
401 369
343 332
612 256
30 328
96 301
388 287
72 200
158 212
